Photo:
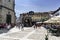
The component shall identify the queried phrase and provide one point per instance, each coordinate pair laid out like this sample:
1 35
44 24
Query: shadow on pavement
3 30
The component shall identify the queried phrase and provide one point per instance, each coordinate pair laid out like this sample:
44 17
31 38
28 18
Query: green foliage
44 19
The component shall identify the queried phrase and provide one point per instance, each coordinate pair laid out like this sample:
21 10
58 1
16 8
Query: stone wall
8 8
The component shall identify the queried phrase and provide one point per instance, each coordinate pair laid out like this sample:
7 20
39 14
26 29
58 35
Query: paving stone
37 34
7 38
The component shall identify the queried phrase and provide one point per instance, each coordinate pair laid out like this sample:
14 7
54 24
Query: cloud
17 12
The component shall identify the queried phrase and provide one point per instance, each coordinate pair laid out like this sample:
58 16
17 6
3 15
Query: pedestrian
22 26
18 25
33 26
8 26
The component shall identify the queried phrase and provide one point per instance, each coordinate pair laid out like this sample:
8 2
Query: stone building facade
7 13
30 18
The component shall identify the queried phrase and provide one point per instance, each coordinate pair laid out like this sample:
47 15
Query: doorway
8 19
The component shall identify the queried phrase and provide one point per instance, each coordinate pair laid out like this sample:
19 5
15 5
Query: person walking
18 25
8 26
22 27
34 26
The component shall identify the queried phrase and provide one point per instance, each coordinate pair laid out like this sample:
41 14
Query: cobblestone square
29 34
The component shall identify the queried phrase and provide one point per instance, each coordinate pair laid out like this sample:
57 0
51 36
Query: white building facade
7 13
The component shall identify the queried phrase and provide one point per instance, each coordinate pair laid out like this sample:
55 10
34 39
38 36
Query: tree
31 12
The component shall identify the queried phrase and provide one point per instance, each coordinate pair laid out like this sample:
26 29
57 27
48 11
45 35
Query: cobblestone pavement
29 34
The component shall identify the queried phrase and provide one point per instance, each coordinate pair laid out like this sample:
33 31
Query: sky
23 6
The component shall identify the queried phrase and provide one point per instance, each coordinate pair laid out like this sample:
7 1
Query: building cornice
7 8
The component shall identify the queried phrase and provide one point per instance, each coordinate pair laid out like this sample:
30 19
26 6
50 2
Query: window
0 0
8 0
0 7
0 18
8 12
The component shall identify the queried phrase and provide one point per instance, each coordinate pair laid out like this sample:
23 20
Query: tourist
8 26
22 26
33 26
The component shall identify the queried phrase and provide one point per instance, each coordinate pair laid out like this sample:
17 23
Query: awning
55 19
